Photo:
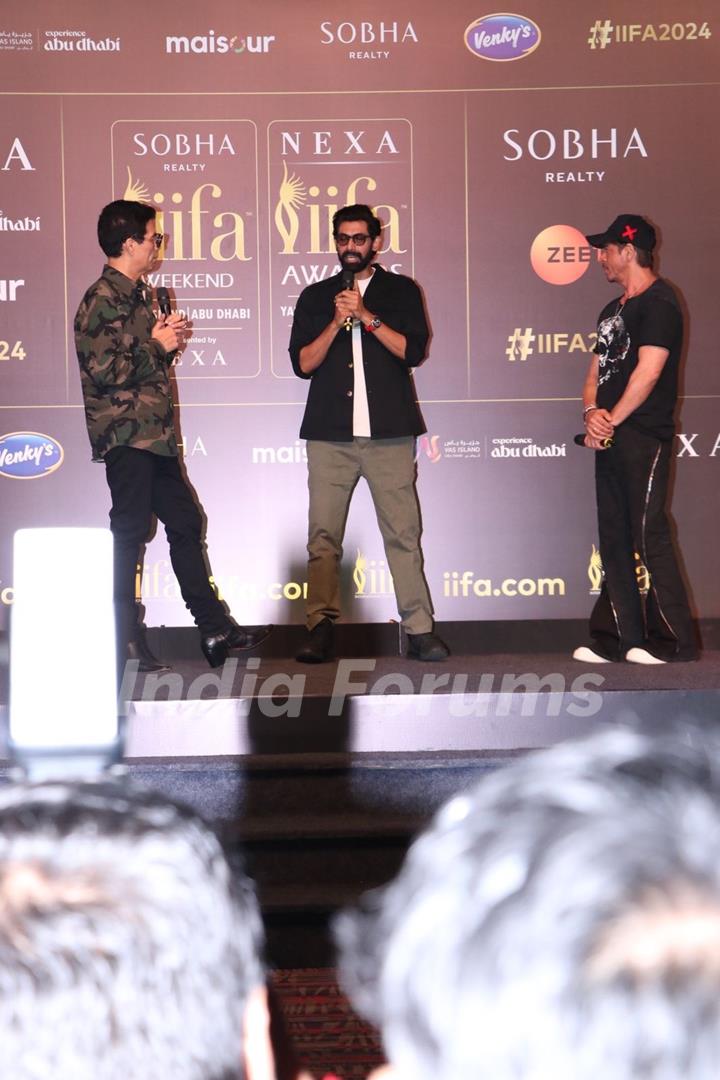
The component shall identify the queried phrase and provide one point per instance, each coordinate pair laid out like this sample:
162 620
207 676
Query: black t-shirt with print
652 317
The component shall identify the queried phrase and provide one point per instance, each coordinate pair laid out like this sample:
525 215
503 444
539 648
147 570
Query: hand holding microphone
599 428
606 443
166 332
347 277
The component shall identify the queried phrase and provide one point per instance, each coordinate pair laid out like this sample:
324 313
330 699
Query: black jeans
631 483
142 484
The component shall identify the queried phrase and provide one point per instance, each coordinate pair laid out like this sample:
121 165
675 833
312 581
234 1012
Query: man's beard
357 264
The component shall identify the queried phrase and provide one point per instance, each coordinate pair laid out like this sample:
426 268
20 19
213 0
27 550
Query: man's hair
127 945
646 259
120 220
561 919
358 212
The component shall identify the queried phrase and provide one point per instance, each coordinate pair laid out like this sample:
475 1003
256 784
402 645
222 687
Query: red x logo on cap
629 232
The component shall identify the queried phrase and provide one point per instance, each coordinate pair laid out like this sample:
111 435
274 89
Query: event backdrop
489 144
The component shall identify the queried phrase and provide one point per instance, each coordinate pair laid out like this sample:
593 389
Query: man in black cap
629 399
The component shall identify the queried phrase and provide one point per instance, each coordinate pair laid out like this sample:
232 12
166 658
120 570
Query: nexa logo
219 43
572 144
688 448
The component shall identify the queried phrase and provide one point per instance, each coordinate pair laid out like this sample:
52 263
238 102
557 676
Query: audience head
560 920
128 948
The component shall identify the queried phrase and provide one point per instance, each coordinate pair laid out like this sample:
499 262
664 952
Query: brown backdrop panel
561 164
32 275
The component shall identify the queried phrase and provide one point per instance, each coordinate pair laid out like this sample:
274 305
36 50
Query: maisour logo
219 43
280 455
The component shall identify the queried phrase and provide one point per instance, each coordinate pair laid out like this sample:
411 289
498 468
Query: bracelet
587 409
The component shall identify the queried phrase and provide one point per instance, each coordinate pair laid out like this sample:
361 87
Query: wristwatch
371 327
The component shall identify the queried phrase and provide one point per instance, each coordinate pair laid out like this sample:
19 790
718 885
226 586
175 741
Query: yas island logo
317 166
596 573
371 577
560 255
429 446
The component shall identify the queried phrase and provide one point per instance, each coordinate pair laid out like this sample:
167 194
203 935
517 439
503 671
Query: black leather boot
216 647
137 649
319 645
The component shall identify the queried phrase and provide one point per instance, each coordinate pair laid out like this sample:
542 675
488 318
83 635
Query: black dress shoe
427 647
217 646
319 644
147 663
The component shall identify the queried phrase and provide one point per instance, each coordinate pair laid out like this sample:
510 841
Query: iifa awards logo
316 167
596 574
371 577
201 176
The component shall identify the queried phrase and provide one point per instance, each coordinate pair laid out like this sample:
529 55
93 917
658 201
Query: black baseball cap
626 229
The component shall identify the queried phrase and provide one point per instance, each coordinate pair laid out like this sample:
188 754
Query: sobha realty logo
502 37
221 44
28 455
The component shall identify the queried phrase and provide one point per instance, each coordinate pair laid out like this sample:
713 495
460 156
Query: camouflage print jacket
123 371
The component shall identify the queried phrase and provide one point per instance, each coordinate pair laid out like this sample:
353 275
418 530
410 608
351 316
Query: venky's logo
502 37
27 455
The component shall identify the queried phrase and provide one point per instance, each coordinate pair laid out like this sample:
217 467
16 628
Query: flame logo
287 222
136 191
595 571
359 575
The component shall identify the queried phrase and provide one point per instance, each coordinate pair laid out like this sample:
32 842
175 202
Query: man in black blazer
357 337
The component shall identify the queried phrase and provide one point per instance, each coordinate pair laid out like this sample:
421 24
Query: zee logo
27 455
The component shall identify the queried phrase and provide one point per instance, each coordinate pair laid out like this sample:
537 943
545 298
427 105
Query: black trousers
142 484
631 483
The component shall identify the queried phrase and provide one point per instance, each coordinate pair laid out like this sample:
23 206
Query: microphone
579 440
348 282
163 300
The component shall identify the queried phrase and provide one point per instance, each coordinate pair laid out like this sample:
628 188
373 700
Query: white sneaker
589 656
642 656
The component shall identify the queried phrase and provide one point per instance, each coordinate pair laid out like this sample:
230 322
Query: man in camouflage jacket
124 353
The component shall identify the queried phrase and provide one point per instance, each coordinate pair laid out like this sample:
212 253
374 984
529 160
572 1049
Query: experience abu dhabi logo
78 41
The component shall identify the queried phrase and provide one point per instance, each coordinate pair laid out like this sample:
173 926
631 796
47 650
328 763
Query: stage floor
267 703
502 701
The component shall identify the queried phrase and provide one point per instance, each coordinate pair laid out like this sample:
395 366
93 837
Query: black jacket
396 300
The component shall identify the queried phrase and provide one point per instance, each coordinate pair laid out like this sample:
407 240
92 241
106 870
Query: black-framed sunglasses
359 239
156 238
